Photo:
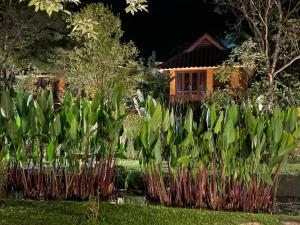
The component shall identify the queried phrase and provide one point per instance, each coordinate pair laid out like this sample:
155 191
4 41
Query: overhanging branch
286 65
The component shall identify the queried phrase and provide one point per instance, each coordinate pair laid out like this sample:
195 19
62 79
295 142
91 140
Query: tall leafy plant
225 160
61 153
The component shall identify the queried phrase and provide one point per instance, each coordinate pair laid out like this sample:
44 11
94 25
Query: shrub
63 153
225 160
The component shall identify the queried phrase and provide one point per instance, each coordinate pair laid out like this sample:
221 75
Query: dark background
169 26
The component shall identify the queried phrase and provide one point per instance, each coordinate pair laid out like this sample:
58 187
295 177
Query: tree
51 6
275 27
29 39
153 82
97 63
17 27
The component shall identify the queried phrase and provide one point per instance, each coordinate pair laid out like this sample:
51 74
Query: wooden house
56 84
193 71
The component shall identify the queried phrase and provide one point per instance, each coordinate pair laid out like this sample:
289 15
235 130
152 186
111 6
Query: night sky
169 26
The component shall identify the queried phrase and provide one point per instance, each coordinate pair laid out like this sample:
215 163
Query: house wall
173 82
234 79
210 80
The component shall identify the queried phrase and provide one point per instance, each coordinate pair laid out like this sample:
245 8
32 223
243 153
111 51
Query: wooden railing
189 96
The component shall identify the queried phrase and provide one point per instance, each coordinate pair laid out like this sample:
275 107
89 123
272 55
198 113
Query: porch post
210 80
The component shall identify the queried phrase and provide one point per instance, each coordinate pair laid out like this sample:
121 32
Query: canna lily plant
65 153
225 160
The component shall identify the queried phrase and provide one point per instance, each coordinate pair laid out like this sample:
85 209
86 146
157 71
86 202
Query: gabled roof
205 52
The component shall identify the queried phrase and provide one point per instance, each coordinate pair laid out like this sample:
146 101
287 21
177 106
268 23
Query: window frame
199 90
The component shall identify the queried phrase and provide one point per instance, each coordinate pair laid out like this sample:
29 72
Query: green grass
291 169
72 213
129 164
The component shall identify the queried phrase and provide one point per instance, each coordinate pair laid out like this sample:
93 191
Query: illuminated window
191 82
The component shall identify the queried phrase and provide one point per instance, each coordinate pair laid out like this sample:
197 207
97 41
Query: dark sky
169 26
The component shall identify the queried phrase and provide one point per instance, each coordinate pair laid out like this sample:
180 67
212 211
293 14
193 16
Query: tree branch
278 37
287 65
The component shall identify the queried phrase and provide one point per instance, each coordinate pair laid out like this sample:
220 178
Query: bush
65 153
224 160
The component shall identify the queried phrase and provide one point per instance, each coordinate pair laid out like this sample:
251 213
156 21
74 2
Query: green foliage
136 5
153 82
241 145
100 60
50 6
256 87
276 40
284 91
245 56
81 133
57 6
30 43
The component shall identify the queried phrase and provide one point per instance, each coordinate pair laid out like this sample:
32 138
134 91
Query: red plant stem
215 181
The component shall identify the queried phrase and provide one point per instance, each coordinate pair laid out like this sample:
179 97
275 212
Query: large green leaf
213 115
51 152
18 120
158 151
170 137
25 123
188 123
7 109
172 118
266 177
277 130
233 114
156 119
43 101
184 160
40 114
57 125
117 98
20 154
219 123
166 120
292 121
21 102
151 105
73 126
12 129
287 149
229 132
144 134
187 141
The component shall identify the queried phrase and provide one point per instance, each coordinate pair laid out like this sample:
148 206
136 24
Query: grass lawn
133 165
292 169
72 213
129 164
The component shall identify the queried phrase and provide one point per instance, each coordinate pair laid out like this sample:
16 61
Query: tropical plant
225 160
63 153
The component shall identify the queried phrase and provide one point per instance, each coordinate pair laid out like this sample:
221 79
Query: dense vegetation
226 160
223 160
63 152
